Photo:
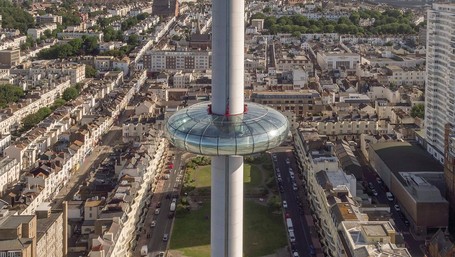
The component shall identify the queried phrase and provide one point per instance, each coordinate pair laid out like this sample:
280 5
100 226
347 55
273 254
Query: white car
292 175
295 254
285 204
157 211
287 161
153 224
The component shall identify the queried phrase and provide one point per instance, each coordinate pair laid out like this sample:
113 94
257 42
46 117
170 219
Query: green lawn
252 176
263 231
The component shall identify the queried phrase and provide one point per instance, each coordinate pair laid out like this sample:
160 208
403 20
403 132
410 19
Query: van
289 224
291 236
389 196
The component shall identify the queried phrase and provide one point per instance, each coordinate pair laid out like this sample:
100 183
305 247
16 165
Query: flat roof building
414 177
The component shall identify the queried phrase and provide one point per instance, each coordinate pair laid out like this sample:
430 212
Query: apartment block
188 61
337 60
9 173
301 103
75 71
18 235
80 34
440 89
9 57
38 32
48 18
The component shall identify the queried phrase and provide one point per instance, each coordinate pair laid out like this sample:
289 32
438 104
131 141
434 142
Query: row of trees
9 94
78 46
14 16
388 22
33 119
132 21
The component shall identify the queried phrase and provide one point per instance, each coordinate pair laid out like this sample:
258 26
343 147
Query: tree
133 40
90 71
70 94
9 94
418 110
57 103
31 120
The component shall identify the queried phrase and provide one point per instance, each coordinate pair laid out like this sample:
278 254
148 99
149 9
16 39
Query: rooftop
403 156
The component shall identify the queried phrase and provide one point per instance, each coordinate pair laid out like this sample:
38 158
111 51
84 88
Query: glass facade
195 130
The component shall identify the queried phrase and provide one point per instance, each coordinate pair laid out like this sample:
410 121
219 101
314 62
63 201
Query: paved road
97 156
163 226
413 245
296 201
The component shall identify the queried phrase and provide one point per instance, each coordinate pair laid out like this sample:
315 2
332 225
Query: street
164 192
98 155
413 245
306 239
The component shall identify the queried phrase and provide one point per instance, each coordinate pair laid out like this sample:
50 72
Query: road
99 153
413 245
170 187
298 208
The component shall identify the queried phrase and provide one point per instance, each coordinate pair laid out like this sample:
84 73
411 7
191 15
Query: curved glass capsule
259 129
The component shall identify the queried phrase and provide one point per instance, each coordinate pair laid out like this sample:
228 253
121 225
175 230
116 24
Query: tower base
226 228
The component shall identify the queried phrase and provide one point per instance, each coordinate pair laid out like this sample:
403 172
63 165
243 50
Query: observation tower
226 128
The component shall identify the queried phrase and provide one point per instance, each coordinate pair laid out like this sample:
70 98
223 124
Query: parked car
153 224
157 211
397 208
165 237
285 204
375 193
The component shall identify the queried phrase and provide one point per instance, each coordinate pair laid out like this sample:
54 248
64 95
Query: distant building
10 58
48 18
185 60
165 8
300 102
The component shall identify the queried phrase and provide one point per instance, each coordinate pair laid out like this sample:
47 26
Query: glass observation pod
197 131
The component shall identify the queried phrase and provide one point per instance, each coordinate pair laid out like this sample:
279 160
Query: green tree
90 71
31 120
9 94
57 103
70 94
133 40
418 110
15 16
